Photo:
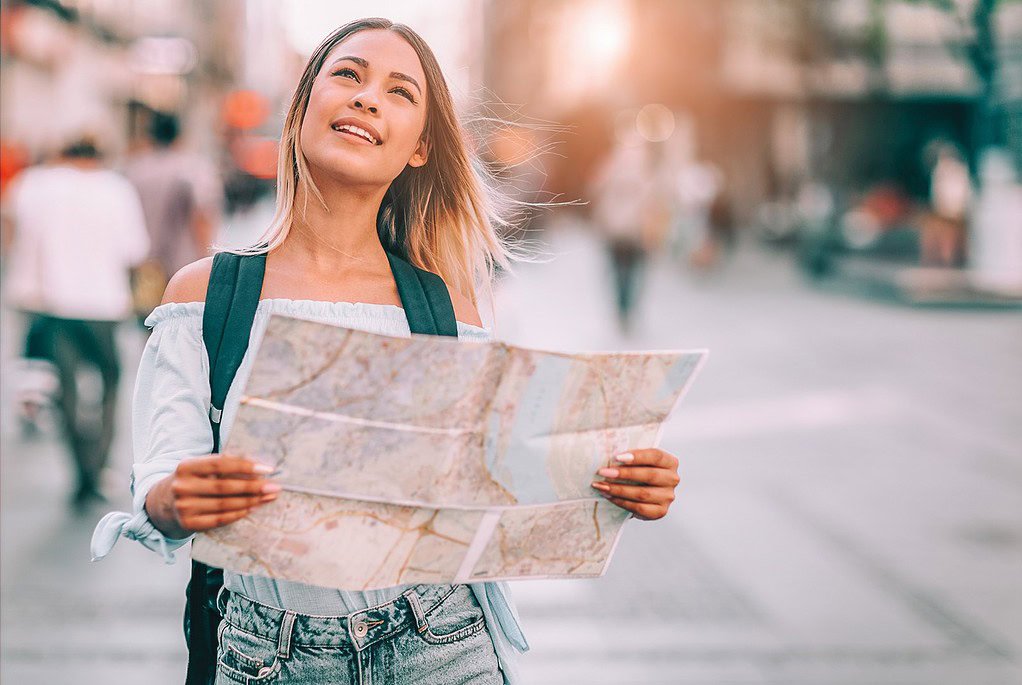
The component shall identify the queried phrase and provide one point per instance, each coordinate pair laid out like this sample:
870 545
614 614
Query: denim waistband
360 629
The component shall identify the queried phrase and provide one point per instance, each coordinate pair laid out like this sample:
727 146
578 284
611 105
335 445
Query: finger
222 487
212 505
210 521
637 493
646 475
219 465
647 512
648 457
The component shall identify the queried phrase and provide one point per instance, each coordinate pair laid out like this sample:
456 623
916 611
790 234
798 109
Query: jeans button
360 629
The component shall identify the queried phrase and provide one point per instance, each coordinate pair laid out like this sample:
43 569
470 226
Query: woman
371 135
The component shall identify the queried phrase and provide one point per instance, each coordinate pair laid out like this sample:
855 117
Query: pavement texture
850 508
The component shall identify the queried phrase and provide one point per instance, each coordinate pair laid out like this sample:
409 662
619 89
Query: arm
178 487
6 233
134 234
207 491
7 214
203 229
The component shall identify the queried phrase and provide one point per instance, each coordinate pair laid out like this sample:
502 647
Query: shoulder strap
232 296
425 299
231 301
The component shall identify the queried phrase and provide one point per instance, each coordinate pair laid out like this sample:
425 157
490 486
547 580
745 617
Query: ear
421 154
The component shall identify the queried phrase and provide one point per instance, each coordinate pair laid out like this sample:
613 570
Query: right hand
208 492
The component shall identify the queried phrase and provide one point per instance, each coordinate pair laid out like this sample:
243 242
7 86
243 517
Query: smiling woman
376 81
375 186
373 172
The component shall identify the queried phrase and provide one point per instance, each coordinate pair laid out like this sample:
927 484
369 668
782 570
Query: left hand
643 484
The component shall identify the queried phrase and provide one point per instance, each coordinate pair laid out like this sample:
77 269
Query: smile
356 132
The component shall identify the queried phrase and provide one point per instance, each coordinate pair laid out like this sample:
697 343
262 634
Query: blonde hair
445 216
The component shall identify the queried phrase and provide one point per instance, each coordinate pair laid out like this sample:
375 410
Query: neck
340 231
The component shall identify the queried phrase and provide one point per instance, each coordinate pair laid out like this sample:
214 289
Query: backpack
235 283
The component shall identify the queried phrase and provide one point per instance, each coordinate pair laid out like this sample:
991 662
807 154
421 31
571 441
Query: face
371 81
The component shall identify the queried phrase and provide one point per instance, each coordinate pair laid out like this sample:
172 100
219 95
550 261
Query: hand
208 492
642 481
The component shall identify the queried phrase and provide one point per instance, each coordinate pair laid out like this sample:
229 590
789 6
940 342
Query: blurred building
774 92
99 65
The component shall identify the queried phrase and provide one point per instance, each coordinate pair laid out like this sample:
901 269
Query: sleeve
135 233
471 333
9 197
169 422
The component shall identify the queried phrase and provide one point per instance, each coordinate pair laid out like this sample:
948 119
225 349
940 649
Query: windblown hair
445 216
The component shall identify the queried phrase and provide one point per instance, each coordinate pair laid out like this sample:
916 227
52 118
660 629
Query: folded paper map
433 460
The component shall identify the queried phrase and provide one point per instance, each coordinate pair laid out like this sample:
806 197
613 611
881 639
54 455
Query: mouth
357 130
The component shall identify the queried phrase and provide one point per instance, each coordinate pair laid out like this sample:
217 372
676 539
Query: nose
365 104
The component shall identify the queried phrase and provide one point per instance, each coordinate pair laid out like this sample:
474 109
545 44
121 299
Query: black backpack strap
231 301
232 297
425 299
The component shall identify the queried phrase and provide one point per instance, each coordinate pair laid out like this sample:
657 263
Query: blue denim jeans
430 634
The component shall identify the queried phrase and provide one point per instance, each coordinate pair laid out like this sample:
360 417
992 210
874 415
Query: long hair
445 216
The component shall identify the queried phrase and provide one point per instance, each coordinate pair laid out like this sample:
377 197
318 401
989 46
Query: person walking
629 212
374 172
182 197
78 229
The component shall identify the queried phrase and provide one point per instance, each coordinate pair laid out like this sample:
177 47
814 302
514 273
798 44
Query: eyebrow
365 65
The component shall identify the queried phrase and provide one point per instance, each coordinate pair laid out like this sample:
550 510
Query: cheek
317 113
406 136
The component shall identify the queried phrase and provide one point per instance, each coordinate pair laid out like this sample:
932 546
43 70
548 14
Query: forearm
159 506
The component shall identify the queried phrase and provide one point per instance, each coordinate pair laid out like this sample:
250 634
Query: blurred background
824 193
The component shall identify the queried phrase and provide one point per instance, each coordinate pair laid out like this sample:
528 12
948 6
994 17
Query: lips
358 129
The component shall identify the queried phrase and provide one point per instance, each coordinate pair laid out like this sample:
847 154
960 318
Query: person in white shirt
77 230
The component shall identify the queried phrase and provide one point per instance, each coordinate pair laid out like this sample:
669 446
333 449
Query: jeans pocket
246 658
456 617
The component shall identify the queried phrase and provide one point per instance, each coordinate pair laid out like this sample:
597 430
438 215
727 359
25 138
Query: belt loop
287 624
413 602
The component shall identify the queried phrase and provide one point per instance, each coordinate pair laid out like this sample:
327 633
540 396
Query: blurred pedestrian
944 229
182 197
631 214
77 229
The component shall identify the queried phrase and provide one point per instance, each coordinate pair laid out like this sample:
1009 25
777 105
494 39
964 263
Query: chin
347 167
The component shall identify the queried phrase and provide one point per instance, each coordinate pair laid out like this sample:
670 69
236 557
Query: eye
403 92
347 73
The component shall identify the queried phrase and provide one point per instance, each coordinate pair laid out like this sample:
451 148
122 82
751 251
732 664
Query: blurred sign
152 55
245 109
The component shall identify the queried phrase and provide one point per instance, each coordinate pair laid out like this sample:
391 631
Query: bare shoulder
464 310
189 284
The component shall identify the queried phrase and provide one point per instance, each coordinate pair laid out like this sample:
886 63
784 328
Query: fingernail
600 486
625 458
271 487
264 469
608 473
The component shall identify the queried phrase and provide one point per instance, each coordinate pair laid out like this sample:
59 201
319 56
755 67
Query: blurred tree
975 21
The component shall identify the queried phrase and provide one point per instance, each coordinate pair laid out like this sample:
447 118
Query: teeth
358 131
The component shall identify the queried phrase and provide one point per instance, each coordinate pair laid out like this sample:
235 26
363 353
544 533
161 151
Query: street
850 508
